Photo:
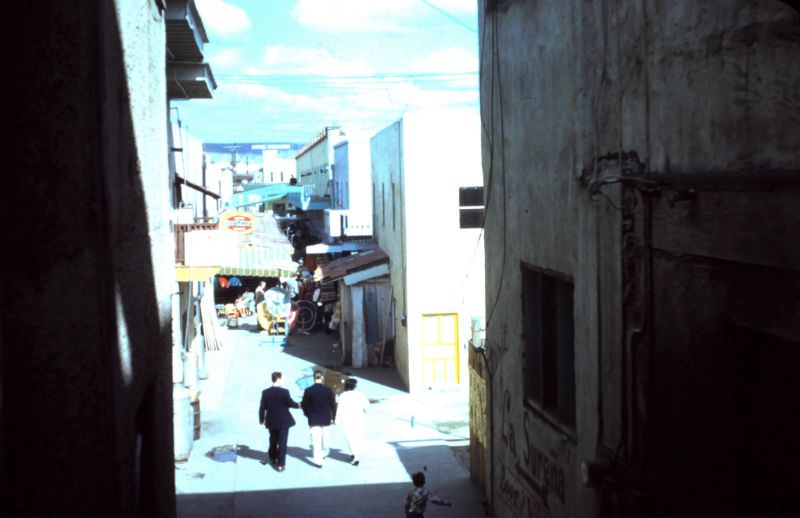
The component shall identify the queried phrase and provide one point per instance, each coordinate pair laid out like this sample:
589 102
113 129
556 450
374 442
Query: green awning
264 194
262 261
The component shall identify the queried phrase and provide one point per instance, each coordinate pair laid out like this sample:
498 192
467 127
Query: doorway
440 359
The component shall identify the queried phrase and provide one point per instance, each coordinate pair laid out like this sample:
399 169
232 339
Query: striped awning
262 261
194 273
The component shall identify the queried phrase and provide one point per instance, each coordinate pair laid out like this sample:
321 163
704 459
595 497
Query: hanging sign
240 222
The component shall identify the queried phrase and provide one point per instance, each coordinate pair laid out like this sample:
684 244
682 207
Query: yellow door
440 349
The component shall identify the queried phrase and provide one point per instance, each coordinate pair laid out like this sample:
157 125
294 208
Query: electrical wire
357 85
496 65
448 16
469 267
350 78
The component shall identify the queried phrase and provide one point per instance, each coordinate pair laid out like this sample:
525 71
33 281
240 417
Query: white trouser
320 439
354 434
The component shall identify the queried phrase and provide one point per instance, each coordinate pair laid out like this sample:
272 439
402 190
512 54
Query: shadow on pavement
340 497
365 500
317 348
301 454
386 376
253 328
423 455
244 451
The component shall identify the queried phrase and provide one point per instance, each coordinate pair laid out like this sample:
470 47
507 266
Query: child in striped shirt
418 498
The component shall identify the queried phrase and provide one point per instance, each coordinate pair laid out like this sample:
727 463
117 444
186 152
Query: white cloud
247 90
460 7
350 15
275 98
225 59
375 15
279 59
222 18
452 60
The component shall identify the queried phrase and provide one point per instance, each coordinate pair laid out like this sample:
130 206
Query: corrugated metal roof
346 265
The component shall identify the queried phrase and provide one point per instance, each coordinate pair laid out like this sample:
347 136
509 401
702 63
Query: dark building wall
86 383
726 339
647 153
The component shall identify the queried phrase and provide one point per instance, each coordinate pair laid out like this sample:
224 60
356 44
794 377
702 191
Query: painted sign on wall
539 474
517 498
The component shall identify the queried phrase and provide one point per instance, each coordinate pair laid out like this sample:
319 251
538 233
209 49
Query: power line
449 16
467 81
351 79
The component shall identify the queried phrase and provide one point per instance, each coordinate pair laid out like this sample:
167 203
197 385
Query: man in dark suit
274 414
319 405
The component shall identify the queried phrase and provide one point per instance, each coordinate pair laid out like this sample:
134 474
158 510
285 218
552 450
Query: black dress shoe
354 462
280 468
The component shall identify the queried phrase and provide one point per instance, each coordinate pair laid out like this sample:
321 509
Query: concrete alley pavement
405 434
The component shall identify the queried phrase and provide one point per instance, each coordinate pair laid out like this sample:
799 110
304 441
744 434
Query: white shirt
351 408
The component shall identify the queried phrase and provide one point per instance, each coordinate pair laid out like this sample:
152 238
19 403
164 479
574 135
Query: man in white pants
319 406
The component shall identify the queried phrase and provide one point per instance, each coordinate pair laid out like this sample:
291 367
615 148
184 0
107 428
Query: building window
549 362
383 203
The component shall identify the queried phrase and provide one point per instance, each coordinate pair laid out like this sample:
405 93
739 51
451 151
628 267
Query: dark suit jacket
319 405
275 403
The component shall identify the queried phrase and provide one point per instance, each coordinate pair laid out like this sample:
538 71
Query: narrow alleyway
405 434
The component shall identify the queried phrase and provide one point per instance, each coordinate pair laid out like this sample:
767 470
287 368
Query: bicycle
306 315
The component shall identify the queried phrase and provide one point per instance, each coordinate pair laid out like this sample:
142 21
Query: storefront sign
240 222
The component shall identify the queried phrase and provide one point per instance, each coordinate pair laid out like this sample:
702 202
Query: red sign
238 222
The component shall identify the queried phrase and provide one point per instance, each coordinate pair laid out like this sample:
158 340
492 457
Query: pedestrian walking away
350 417
258 294
319 406
273 413
418 498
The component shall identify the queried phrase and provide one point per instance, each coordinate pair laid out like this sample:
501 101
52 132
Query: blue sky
286 68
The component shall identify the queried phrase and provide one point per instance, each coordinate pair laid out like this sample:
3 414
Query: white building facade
418 165
315 164
350 215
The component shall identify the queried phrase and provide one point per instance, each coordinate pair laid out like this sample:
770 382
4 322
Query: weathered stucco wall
87 407
387 166
662 277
